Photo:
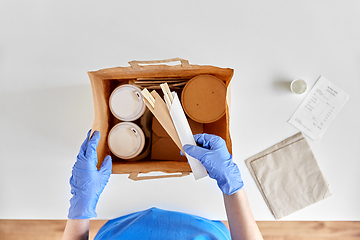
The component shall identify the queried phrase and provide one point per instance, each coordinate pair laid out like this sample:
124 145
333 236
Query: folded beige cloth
288 176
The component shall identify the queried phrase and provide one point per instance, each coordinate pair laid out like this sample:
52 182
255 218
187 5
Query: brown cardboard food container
163 147
104 81
210 105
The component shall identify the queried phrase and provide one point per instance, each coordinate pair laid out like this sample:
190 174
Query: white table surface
47 47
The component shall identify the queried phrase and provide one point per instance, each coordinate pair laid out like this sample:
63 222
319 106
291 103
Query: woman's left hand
87 183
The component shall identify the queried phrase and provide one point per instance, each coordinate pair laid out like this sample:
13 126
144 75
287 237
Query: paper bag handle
136 64
135 176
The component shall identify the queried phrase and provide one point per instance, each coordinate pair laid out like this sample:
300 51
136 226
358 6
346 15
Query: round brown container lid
203 98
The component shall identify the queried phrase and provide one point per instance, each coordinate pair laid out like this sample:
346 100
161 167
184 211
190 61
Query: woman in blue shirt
87 183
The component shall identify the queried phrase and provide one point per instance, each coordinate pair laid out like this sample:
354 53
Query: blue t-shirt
154 224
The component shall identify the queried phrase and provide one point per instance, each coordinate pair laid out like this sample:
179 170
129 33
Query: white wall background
47 47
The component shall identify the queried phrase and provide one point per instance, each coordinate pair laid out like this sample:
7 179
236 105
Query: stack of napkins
288 176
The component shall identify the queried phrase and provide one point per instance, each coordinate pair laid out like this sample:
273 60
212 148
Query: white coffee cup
126 102
126 140
298 86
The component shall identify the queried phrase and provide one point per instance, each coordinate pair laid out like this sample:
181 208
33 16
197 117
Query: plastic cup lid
126 140
126 102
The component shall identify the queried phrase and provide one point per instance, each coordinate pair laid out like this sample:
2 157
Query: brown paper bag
104 81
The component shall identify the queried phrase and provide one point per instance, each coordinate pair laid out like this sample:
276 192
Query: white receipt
319 108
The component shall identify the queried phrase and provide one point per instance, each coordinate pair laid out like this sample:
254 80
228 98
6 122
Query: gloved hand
87 183
213 154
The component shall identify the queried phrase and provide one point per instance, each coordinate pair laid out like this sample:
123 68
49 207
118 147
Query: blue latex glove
213 154
87 183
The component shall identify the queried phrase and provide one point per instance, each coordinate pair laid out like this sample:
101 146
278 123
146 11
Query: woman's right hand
214 155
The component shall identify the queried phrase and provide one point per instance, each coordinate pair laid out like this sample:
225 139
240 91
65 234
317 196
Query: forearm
76 229
241 221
